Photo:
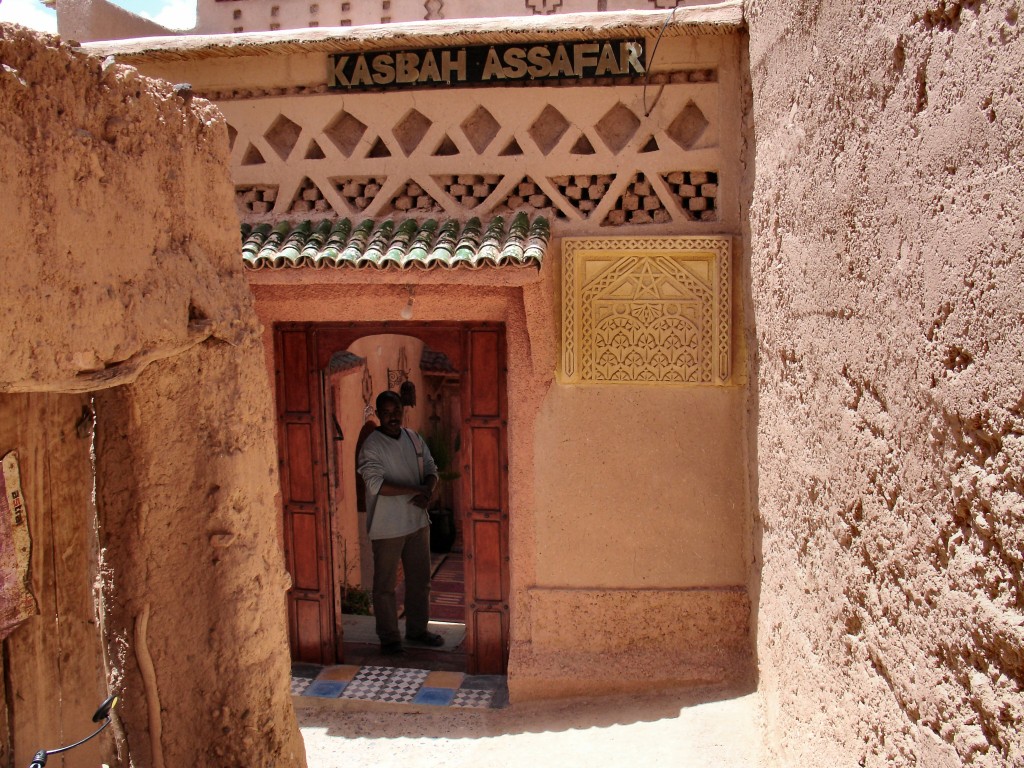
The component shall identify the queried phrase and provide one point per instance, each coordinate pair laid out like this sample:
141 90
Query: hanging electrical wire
650 62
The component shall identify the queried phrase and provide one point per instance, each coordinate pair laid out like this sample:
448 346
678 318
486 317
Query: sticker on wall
654 310
16 601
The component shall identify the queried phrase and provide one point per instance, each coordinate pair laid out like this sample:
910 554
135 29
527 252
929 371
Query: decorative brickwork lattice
584 193
468 190
309 199
646 310
283 135
255 199
639 204
489 155
358 192
526 195
412 197
696 192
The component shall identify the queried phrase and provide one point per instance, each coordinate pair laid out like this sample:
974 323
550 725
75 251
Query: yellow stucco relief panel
651 310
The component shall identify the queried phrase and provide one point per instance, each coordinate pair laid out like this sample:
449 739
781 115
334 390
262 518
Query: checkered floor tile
393 685
467 697
385 684
367 683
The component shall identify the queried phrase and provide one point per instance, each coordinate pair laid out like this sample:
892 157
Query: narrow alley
693 729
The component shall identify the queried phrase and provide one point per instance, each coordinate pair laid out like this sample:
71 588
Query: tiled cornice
398 244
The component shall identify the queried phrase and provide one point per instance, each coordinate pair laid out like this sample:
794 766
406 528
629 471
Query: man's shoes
426 638
392 649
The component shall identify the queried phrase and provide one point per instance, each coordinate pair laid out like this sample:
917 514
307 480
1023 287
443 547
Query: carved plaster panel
653 310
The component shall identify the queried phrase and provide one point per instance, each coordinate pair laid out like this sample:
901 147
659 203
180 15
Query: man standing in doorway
401 480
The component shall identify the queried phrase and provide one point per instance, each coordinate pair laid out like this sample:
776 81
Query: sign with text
16 600
485 64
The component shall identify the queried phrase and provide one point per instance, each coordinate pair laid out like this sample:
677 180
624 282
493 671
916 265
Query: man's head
389 413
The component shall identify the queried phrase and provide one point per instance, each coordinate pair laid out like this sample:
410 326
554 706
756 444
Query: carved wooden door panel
303 493
485 489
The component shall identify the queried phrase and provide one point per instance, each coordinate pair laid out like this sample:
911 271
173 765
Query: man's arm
371 468
427 493
430 473
393 489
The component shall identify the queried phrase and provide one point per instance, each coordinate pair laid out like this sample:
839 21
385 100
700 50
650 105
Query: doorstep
394 689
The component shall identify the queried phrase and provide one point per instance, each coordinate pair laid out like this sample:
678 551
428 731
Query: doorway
326 376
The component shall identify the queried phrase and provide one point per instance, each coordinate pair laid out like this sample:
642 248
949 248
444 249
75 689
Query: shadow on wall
744 290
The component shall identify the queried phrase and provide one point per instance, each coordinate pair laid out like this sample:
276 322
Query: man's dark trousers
413 551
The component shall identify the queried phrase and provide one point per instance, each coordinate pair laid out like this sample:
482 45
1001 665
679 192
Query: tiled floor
399 686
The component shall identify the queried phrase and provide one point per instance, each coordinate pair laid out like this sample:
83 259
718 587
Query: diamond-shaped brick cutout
688 126
617 127
548 128
446 148
379 149
411 129
345 131
314 151
512 149
283 135
582 146
480 128
252 156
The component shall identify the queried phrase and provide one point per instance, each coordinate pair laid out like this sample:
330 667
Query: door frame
478 351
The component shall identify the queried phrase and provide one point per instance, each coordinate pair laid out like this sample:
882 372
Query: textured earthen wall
625 501
190 540
122 278
118 247
886 238
55 655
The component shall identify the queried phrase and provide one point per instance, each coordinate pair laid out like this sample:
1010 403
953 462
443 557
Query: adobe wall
52 442
255 15
885 223
628 502
122 287
85 20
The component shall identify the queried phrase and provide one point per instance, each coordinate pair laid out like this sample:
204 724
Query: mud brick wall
886 209
122 283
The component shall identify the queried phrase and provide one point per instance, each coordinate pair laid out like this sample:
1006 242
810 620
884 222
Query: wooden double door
302 353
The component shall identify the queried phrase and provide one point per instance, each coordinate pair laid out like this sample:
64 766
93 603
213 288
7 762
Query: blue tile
326 689
440 697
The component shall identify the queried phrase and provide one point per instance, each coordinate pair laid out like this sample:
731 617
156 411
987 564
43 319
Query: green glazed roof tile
390 244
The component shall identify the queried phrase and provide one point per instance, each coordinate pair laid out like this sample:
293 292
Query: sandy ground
709 730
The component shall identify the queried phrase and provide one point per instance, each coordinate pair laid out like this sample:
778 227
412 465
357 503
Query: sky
176 14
